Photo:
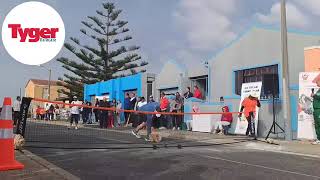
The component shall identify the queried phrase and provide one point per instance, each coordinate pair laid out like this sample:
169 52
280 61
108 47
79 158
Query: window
202 83
259 74
45 93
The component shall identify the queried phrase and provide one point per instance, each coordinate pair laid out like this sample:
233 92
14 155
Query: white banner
306 128
247 89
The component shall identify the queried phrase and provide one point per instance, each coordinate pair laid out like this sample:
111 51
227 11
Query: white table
204 122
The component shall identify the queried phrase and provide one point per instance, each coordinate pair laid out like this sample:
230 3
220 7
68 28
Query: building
38 88
251 57
142 84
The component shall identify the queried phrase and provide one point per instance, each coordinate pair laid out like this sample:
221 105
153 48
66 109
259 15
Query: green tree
109 58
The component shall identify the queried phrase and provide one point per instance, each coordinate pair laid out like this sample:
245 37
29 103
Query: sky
188 31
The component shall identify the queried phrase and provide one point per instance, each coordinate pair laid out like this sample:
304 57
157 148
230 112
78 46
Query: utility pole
49 80
285 74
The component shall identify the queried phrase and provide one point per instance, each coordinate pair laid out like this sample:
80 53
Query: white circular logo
33 33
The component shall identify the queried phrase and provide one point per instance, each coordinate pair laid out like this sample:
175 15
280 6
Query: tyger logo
33 34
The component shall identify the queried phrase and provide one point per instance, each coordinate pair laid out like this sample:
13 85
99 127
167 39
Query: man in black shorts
149 120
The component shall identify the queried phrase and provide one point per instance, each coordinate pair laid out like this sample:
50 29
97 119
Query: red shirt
197 94
164 103
249 106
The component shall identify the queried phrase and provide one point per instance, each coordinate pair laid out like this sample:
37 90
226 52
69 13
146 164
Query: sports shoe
135 134
316 142
147 139
174 128
76 128
161 128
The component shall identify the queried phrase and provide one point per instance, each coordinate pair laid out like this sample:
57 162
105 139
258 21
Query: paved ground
122 156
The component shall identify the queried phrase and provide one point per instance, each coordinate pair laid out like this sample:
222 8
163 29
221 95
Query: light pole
49 80
207 65
285 73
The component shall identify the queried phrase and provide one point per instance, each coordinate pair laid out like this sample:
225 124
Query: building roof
42 82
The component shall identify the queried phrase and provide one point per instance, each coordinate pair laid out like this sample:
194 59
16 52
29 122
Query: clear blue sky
188 31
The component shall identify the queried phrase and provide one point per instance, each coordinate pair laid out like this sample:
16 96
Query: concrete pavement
91 153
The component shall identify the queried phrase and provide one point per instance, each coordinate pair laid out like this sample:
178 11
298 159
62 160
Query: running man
249 106
148 122
75 113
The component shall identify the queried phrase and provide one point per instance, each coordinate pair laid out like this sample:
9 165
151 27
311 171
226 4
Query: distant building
38 88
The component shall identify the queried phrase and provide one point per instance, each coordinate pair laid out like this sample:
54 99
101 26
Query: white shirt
75 109
16 105
140 104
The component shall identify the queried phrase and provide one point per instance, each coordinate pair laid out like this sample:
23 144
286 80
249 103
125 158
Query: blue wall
115 87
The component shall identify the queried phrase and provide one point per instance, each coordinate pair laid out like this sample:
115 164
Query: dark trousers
16 116
251 125
163 120
75 118
176 120
103 119
96 114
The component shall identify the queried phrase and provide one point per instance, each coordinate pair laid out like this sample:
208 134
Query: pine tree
109 59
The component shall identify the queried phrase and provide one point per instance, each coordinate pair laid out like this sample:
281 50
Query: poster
247 89
305 110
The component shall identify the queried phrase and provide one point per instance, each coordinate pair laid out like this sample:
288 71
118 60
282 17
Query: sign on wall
247 89
307 88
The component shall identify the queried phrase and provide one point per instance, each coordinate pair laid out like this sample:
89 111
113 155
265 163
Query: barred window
256 75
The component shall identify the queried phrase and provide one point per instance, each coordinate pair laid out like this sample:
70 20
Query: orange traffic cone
7 159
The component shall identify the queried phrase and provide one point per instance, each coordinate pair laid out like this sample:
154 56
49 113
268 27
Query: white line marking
259 166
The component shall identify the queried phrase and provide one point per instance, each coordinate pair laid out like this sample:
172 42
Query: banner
240 127
307 88
22 121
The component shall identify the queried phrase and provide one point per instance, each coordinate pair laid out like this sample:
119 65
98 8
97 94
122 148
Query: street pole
49 84
285 74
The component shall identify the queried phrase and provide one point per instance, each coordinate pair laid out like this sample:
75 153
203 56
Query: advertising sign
307 88
247 89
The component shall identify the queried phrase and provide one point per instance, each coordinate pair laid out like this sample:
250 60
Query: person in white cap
248 106
16 109
75 113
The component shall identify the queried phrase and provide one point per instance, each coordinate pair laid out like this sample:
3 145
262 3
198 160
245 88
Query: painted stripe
6 113
6 124
6 134
260 166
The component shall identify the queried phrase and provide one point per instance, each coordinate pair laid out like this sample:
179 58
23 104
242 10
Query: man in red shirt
164 107
197 92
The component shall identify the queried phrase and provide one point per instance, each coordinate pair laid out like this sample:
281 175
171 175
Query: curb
51 167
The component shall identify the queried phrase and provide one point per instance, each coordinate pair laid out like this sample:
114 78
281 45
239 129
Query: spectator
50 112
141 103
126 106
75 113
42 113
151 99
118 112
47 107
249 105
85 113
197 92
134 117
56 112
104 113
223 125
89 113
177 108
221 99
16 110
113 121
188 94
38 113
164 107
96 111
